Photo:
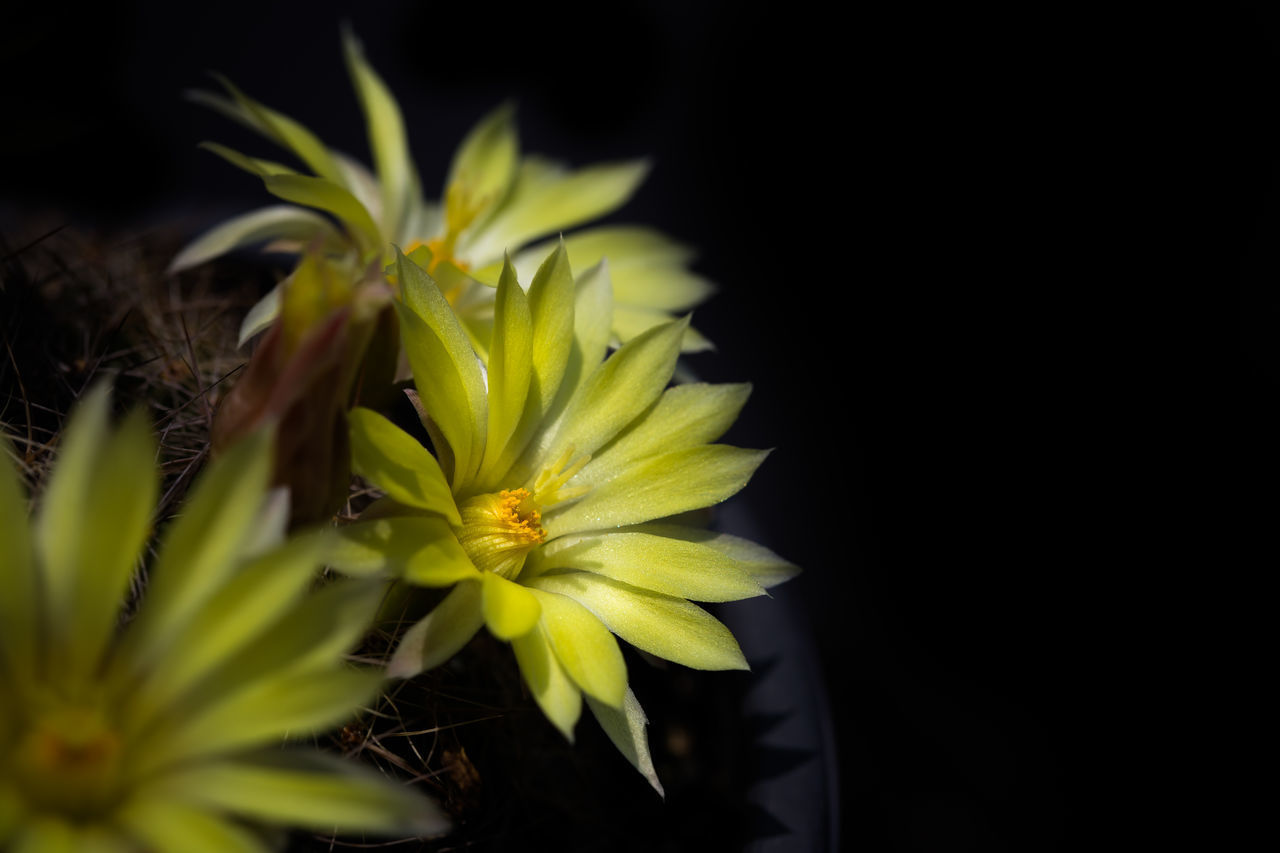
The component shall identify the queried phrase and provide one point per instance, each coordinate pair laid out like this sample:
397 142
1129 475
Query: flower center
498 530
68 761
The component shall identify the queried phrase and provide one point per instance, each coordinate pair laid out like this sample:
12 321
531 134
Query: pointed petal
439 635
617 393
316 791
277 222
202 548
485 162
592 314
252 165
395 462
685 416
668 627
240 612
387 137
659 486
629 322
625 247
419 550
445 368
556 694
541 204
667 289
648 268
551 302
276 126
120 498
551 307
644 559
316 636
584 646
766 567
510 610
510 367
625 726
327 195
264 712
260 316
93 522
64 503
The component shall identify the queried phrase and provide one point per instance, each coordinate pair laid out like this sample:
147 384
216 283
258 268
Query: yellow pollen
526 523
498 530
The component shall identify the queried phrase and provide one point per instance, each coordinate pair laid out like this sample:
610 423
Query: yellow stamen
498 530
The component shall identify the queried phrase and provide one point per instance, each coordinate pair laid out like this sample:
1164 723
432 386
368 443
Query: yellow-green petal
629 322
253 165
122 497
319 792
329 196
667 289
662 625
276 126
616 393
395 462
263 591
659 486
202 548
545 201
387 138
625 726
446 370
624 246
485 162
276 222
260 713
641 558
440 634
510 367
583 645
551 301
556 694
315 637
592 310
510 610
263 313
167 825
685 416
65 504
96 513
766 567
420 550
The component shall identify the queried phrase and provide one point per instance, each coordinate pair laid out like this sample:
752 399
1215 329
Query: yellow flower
494 201
165 735
551 508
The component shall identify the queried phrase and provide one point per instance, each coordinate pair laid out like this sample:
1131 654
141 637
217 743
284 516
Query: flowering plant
554 490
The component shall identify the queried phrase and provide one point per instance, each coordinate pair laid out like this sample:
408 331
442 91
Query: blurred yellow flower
165 735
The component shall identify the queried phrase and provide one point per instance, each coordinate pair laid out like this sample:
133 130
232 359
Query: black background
908 215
